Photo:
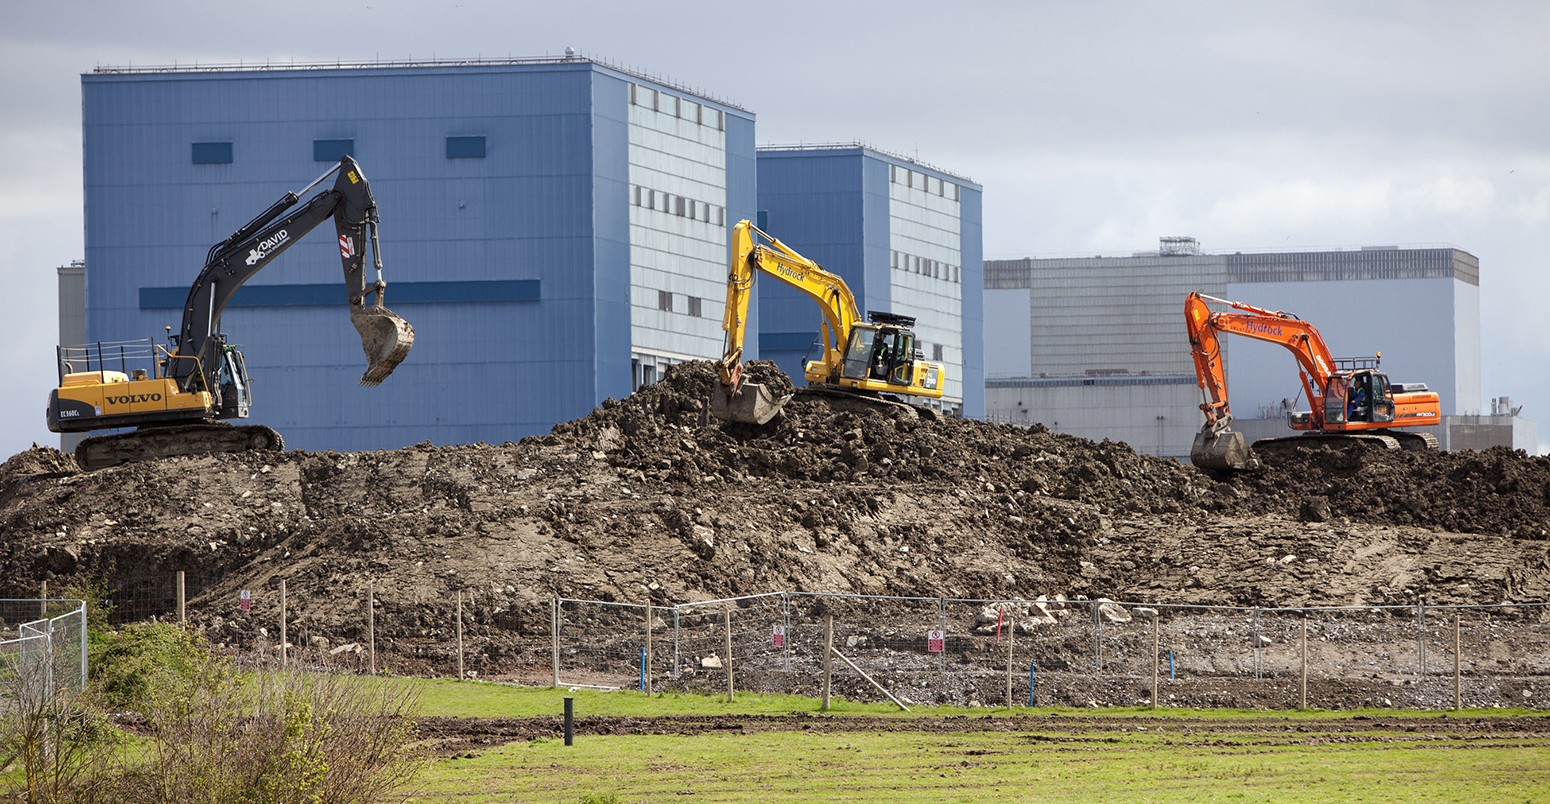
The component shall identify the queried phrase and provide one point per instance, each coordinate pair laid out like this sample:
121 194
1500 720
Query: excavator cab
882 351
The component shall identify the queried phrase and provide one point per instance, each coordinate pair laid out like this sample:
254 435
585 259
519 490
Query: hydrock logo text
1263 329
268 245
795 275
130 399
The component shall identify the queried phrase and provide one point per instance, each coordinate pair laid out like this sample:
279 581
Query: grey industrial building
1096 346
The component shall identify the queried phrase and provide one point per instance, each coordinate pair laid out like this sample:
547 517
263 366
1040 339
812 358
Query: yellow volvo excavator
875 358
178 395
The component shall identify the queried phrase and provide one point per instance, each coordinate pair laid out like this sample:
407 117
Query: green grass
998 766
451 698
1107 760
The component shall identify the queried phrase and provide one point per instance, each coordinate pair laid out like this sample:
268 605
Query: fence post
285 654
371 625
182 601
785 623
1156 655
645 662
1457 699
828 652
1302 697
43 602
1420 639
1259 654
459 635
1097 639
726 612
554 638
1011 636
675 642
941 605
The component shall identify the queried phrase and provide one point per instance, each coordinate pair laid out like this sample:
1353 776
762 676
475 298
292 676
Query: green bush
128 664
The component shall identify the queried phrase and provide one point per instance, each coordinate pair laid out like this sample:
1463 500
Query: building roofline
509 61
1236 252
861 146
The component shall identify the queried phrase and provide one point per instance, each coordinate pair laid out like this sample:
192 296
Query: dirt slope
649 497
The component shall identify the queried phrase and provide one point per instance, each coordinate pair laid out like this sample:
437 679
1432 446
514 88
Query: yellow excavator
874 359
178 395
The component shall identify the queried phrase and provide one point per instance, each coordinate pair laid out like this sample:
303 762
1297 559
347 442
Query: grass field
951 754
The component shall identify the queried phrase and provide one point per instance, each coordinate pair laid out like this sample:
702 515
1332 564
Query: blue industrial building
555 230
906 237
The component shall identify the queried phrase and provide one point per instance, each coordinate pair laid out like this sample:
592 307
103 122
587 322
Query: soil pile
649 497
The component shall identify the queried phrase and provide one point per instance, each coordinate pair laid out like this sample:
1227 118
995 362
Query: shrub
216 735
127 665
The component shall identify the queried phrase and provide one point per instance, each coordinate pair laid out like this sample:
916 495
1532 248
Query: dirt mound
1498 491
35 461
651 498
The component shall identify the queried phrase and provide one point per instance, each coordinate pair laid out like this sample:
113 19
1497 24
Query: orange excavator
1352 400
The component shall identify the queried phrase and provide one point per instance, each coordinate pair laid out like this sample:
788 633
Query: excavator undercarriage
149 443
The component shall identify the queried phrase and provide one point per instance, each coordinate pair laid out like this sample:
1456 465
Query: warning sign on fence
935 641
246 600
778 636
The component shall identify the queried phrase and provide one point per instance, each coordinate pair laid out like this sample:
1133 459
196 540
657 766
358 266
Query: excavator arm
777 259
1314 363
385 337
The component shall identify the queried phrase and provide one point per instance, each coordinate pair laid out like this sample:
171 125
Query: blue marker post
1170 665
642 669
1031 696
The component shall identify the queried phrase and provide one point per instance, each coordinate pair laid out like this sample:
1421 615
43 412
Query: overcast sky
1094 127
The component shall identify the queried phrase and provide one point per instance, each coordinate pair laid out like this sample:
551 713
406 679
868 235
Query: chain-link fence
916 649
43 653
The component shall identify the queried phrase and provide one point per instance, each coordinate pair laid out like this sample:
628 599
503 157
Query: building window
669 105
678 206
332 150
633 88
936 352
212 153
665 300
465 147
721 216
694 306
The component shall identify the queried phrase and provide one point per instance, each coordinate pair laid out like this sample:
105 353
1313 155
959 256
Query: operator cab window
858 354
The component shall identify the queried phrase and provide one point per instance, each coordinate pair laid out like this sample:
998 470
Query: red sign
935 641
346 246
246 600
778 636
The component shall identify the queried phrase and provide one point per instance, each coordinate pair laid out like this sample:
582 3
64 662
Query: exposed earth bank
650 498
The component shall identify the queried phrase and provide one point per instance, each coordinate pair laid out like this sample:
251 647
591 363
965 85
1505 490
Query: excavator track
152 443
1270 450
869 399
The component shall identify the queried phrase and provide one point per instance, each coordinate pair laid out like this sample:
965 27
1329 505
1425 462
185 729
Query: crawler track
151 443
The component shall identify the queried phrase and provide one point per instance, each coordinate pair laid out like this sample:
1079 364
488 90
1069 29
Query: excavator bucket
386 339
1222 450
752 404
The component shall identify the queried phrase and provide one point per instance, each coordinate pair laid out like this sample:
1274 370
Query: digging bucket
1224 450
386 339
752 404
